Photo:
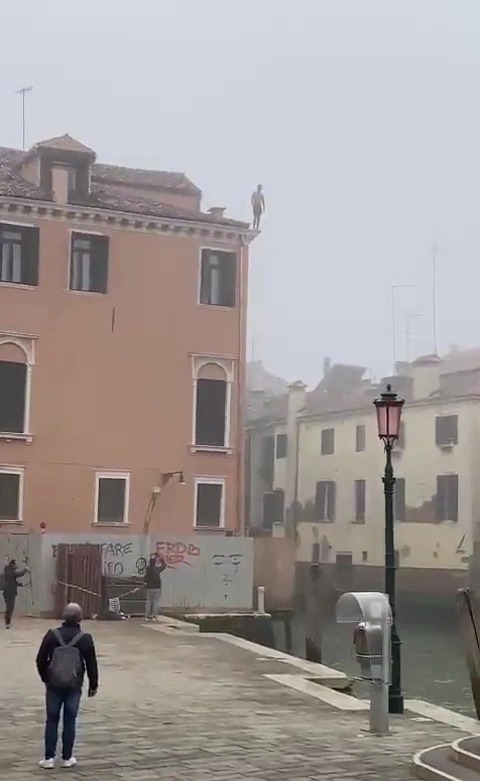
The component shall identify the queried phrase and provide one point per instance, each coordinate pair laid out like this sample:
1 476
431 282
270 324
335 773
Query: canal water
433 663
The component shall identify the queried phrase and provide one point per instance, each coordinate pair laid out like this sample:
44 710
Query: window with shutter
399 499
360 500
218 278
447 498
281 446
446 430
327 441
360 439
19 253
325 501
89 263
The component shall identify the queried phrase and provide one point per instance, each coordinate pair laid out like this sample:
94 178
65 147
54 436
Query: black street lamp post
389 413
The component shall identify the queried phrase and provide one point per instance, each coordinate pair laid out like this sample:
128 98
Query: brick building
122 347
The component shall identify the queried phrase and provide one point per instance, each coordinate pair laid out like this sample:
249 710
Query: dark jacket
10 582
152 574
85 645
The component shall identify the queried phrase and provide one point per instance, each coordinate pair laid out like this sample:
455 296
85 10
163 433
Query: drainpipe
242 305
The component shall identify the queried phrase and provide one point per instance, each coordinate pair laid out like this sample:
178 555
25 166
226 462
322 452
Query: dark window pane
281 451
218 278
9 496
111 499
210 413
360 500
12 396
328 441
209 505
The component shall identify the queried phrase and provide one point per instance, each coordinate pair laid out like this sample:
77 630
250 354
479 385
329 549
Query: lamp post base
395 703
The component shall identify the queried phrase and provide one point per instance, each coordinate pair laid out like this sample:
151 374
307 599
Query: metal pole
395 696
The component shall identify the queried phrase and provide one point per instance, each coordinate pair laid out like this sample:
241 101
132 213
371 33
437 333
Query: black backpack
66 668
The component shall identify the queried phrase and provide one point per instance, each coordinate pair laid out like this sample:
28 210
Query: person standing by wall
153 584
10 588
64 655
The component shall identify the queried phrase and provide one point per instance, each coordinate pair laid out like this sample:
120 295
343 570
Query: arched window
16 359
212 384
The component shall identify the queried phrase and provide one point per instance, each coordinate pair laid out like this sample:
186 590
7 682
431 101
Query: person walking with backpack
62 659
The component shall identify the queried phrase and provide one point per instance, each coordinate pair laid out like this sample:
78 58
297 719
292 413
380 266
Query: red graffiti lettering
176 553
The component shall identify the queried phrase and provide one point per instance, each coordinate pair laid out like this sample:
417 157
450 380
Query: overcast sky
361 118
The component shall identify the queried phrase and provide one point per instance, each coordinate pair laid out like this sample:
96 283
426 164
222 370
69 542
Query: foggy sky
361 119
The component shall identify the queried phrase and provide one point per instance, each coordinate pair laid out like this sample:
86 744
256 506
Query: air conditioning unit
447 445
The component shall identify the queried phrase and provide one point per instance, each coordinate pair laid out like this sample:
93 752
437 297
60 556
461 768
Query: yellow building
324 464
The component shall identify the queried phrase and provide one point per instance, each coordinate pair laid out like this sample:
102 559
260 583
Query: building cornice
430 402
105 218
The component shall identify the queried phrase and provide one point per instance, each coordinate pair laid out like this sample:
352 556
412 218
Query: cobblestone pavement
193 707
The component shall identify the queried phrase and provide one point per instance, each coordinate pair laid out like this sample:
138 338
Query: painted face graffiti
227 566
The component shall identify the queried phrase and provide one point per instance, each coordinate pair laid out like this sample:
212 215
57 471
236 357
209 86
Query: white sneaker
47 764
69 762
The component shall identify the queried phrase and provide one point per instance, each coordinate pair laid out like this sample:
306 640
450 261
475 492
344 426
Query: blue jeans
152 603
55 699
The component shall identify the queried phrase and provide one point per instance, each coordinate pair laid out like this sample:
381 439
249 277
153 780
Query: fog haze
360 118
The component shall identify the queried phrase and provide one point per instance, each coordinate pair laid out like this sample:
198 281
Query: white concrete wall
431 545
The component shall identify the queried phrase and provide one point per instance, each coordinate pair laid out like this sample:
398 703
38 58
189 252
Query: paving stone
172 707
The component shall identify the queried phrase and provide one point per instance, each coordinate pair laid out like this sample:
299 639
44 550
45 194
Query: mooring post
261 599
314 616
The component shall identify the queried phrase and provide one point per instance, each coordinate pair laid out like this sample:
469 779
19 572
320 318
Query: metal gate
78 578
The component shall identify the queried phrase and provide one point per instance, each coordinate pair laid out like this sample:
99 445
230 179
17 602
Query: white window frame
227 364
210 481
126 510
20 471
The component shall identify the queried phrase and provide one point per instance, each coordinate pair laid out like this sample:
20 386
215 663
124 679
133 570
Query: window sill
115 524
8 436
18 285
91 293
209 528
211 449
221 307
4 522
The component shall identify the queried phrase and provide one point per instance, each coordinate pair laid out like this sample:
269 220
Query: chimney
326 366
217 212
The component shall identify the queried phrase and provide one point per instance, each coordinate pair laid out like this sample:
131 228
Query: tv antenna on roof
23 91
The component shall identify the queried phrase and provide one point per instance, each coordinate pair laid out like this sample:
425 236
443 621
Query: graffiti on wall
115 557
176 555
226 567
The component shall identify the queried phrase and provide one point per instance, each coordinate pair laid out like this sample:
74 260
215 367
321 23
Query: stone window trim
219 481
112 475
26 343
7 469
227 367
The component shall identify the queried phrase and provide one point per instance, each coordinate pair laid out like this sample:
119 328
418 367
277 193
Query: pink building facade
122 349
